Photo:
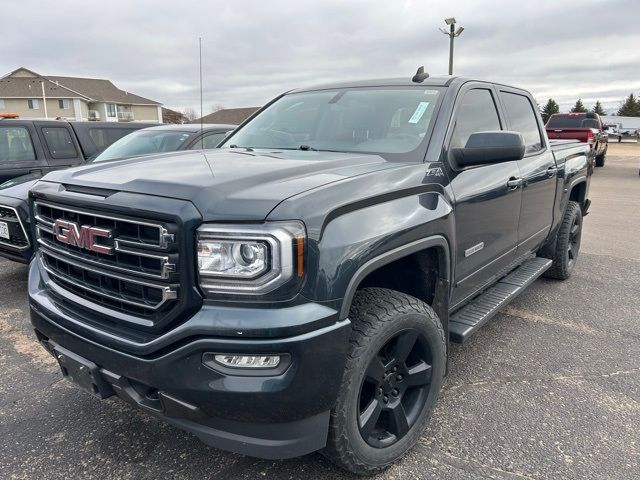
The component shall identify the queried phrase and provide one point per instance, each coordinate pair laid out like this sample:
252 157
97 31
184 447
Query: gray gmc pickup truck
297 289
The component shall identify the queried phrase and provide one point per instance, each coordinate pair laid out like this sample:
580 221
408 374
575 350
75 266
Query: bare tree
171 116
190 113
216 108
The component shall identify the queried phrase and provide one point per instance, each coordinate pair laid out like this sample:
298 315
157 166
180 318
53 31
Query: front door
487 209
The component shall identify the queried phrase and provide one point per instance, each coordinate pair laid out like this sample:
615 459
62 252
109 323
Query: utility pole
44 100
451 33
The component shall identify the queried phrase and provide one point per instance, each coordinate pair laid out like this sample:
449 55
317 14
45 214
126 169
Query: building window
1 103
33 103
64 104
111 110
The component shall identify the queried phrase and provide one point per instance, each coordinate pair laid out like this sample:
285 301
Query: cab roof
438 81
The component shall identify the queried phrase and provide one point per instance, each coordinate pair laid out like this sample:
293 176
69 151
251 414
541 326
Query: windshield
381 120
144 142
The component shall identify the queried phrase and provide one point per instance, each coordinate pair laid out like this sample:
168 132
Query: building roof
233 116
101 90
29 85
25 83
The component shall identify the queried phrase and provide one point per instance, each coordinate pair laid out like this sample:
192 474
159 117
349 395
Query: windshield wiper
307 148
246 149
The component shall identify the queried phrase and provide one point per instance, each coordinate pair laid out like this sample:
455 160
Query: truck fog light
248 361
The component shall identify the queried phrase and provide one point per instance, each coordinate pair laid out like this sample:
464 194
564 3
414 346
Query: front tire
394 373
567 243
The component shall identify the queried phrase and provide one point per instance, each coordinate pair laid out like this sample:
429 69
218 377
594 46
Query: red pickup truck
586 127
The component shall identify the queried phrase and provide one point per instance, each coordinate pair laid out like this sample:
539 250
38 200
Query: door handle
514 183
551 171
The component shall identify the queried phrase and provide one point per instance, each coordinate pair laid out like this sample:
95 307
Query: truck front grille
138 278
18 239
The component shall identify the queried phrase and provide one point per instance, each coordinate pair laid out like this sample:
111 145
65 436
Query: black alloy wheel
394 390
573 246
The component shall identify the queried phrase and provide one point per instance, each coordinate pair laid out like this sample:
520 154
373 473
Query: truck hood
224 184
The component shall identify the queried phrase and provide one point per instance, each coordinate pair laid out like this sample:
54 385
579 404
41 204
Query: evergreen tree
549 109
630 107
597 108
579 107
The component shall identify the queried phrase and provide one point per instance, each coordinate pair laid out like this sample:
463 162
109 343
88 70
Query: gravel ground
548 389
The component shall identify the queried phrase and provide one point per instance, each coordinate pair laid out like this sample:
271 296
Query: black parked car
15 236
40 146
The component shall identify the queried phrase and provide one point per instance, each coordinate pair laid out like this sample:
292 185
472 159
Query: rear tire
394 372
600 159
567 243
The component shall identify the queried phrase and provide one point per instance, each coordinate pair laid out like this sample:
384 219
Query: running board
468 320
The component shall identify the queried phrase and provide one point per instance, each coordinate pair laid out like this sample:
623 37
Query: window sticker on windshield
417 115
431 92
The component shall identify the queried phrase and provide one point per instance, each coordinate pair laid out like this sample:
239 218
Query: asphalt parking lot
548 389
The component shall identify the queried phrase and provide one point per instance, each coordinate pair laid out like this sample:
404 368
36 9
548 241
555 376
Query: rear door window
522 118
59 143
15 145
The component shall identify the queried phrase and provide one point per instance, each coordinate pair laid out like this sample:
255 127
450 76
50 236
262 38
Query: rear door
19 150
537 169
487 210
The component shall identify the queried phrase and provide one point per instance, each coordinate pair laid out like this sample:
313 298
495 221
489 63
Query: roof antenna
420 75
201 120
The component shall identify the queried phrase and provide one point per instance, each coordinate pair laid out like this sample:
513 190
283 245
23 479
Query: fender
392 255
574 182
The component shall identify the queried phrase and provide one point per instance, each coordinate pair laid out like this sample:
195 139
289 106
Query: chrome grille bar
23 243
167 292
163 237
166 267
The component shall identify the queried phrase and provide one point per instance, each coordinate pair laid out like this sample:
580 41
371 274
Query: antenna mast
201 121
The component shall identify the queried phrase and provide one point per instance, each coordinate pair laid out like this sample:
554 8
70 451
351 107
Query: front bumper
280 413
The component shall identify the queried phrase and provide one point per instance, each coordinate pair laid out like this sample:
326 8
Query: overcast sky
254 50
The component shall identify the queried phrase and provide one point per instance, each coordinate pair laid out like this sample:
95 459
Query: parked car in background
16 241
586 127
296 289
40 146
617 131
166 138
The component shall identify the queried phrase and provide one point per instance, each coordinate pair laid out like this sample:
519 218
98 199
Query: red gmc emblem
81 236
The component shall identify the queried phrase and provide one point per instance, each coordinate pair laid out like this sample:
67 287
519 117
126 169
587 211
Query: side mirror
605 127
490 147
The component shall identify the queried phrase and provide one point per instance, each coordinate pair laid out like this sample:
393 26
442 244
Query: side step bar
480 310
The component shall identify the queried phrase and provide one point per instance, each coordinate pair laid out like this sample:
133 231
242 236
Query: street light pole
452 33
451 37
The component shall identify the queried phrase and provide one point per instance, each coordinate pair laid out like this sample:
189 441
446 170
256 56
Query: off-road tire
563 265
600 159
377 315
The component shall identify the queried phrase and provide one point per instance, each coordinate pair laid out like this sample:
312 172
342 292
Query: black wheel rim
395 389
574 241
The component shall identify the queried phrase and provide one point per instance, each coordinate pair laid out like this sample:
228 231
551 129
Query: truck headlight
249 259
